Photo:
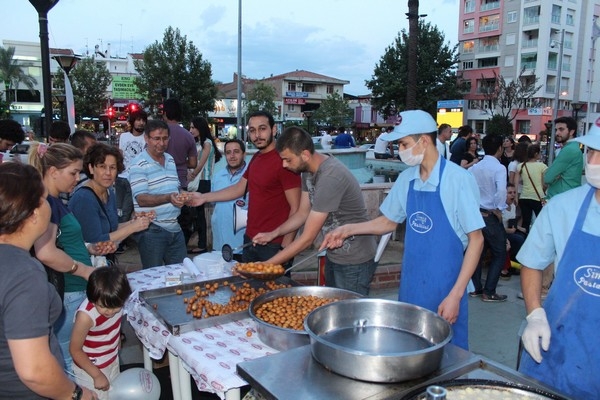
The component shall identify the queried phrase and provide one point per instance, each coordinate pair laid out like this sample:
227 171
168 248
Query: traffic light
110 112
132 107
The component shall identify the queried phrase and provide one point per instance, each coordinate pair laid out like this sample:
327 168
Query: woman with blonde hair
31 362
61 247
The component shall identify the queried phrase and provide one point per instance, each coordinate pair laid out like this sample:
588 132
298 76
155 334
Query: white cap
413 122
592 137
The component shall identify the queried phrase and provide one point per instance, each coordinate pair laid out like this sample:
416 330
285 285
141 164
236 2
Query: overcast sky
343 39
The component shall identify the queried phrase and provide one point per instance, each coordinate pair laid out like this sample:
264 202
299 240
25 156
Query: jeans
355 277
494 237
529 207
64 325
516 241
157 246
186 222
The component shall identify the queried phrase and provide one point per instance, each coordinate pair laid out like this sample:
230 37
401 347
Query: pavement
493 327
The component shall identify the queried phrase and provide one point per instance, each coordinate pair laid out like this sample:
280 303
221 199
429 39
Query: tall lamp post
61 102
42 7
577 106
66 63
308 115
556 96
549 126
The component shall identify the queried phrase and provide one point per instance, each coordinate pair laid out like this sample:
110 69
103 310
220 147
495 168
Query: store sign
124 87
296 94
26 107
294 101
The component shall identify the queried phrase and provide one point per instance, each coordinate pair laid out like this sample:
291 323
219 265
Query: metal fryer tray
168 307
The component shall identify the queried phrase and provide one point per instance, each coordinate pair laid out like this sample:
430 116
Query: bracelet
77 393
74 267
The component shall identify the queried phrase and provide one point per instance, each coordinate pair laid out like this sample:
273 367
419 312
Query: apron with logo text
433 255
572 363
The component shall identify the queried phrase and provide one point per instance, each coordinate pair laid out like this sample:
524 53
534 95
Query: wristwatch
77 393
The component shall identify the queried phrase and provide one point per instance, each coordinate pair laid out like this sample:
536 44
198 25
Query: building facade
526 39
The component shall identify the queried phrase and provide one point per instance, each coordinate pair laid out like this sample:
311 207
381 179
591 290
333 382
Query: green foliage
12 74
436 72
262 97
89 81
499 125
177 64
334 111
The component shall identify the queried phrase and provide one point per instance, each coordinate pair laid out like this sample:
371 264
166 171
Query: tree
12 74
507 99
499 125
89 81
177 64
436 66
334 111
261 97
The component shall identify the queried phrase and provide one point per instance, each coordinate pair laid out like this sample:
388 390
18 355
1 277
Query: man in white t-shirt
382 146
326 141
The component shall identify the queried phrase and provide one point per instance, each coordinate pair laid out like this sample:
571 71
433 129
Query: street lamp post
577 106
42 7
556 96
549 126
308 115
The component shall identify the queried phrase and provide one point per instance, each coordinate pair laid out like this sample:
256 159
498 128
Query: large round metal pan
377 340
484 388
282 338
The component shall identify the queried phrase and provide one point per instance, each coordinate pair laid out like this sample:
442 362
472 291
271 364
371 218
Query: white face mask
592 174
409 158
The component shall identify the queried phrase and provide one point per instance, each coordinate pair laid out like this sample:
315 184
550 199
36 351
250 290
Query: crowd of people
79 200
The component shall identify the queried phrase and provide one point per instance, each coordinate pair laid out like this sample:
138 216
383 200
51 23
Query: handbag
542 199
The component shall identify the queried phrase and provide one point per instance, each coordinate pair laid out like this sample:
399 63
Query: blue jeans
64 325
494 237
355 277
158 246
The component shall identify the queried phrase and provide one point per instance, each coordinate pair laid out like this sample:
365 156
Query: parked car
17 153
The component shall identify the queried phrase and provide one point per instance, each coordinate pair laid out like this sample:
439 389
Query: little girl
95 340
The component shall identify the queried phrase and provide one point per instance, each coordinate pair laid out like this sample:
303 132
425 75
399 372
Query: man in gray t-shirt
331 197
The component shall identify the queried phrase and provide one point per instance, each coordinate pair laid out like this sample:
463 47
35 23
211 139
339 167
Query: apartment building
553 41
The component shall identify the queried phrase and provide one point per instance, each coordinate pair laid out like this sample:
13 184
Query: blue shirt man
344 140
222 222
440 203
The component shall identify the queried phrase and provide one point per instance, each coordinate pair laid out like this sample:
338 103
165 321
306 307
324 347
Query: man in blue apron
440 202
567 232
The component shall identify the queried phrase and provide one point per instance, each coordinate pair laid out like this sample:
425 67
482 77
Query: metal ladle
268 276
227 251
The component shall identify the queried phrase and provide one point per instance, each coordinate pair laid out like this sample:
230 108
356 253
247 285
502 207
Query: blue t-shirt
97 221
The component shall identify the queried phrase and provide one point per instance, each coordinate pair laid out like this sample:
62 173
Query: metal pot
377 340
283 338
509 390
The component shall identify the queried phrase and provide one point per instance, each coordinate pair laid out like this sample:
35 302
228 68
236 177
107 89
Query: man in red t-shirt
273 191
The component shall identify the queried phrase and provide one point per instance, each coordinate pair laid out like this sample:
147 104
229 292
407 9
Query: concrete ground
493 327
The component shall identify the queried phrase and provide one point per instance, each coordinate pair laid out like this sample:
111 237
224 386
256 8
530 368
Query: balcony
552 65
527 44
490 6
531 19
489 48
529 64
555 19
488 27
469 29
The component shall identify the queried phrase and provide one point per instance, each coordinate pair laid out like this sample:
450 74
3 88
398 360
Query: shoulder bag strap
97 199
531 180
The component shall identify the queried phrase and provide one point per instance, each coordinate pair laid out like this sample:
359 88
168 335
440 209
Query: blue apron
572 363
433 255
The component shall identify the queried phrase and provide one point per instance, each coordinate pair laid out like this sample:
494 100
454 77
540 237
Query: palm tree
12 74
413 40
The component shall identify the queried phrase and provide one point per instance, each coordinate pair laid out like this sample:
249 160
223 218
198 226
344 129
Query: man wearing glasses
155 188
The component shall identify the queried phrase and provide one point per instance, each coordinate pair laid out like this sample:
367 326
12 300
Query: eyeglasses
159 138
